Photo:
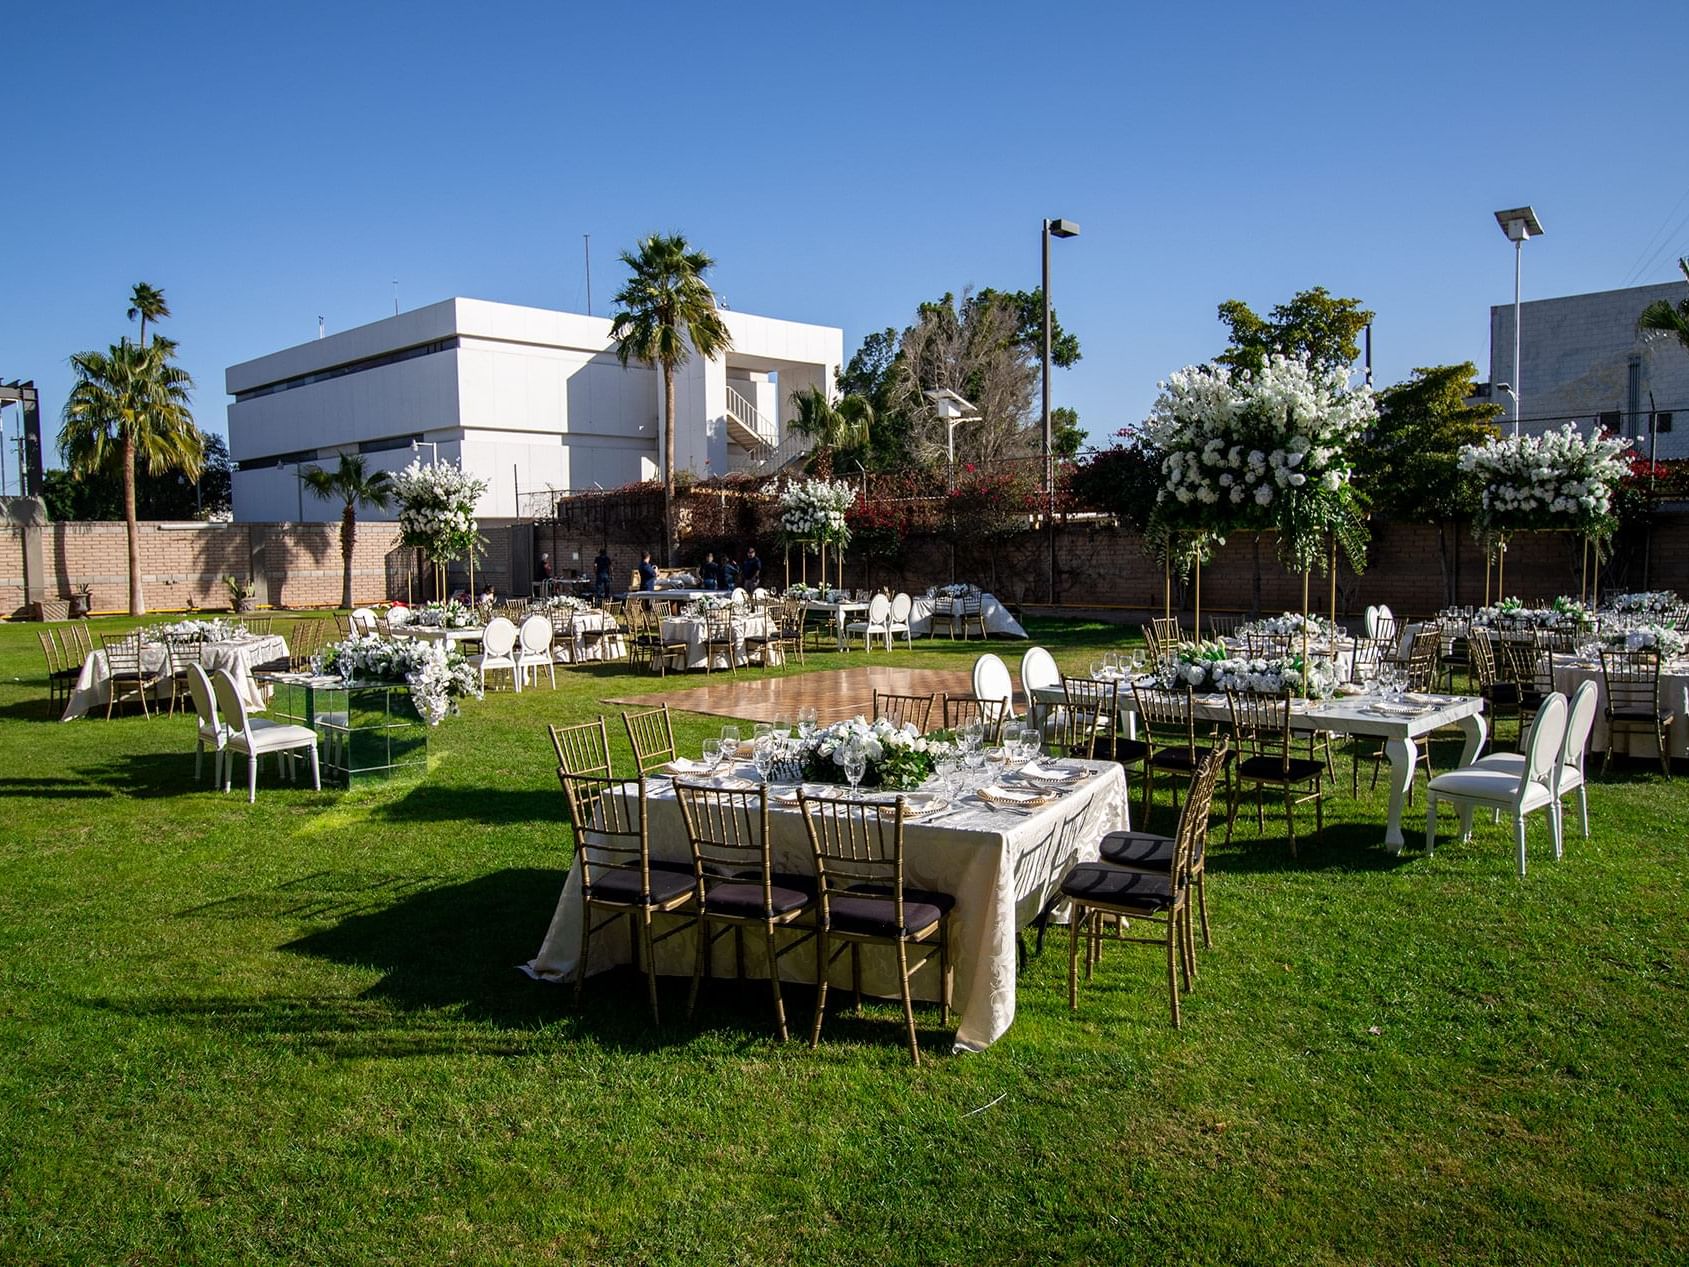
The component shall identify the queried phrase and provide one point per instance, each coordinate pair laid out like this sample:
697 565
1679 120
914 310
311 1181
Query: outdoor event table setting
1571 671
692 630
997 829
215 644
934 609
450 636
841 611
1402 719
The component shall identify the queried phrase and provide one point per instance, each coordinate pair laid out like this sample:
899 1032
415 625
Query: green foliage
836 426
1409 467
1066 437
130 395
1314 324
171 494
1028 306
1121 481
1662 317
351 482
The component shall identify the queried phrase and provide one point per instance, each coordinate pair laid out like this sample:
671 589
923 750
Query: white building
1584 361
526 398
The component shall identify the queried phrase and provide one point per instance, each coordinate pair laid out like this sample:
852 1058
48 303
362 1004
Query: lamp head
1062 228
1519 224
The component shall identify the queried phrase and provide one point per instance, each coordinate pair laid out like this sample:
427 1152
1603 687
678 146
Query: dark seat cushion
1100 884
1180 758
1126 751
621 885
868 909
1638 716
1138 850
744 900
1274 769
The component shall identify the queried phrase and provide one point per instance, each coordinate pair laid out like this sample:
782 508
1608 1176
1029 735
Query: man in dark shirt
729 573
709 576
647 571
542 574
750 571
601 568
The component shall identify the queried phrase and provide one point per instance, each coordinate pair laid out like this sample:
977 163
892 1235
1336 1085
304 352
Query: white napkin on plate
1011 796
1048 773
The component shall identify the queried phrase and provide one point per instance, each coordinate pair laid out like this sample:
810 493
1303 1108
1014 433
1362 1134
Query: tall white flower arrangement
1265 450
1557 481
437 509
814 511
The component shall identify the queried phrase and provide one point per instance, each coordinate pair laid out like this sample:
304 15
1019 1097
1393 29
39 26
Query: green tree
147 303
130 404
352 482
1028 307
1066 437
171 494
1409 468
834 425
1314 324
664 312
1662 317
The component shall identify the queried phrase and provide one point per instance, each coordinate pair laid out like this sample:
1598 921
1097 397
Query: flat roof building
531 400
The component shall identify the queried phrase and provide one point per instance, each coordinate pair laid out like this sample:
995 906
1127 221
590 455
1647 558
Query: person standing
750 571
729 573
601 571
647 571
709 576
542 575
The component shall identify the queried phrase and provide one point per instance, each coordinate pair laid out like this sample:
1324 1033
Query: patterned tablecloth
1002 867
238 655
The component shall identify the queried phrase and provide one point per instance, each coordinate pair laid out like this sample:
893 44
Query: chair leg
774 981
821 963
698 958
1519 843
251 778
1583 809
1202 906
316 770
650 965
908 1002
946 982
1172 970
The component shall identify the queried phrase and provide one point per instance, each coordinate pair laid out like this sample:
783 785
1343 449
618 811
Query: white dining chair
363 621
992 682
398 620
901 606
498 645
738 598
1371 622
259 737
212 731
878 623
1519 793
1038 669
533 649
1580 720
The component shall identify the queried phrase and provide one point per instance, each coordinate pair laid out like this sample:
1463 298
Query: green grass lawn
294 1032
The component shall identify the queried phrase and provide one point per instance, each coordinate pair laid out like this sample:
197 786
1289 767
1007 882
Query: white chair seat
1513 765
273 737
1493 787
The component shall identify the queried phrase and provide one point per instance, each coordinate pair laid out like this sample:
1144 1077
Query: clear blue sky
267 164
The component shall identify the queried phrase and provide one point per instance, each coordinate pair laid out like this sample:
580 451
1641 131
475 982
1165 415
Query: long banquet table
1002 866
239 656
1400 726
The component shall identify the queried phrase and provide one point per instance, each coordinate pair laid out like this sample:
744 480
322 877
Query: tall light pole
1518 223
1057 228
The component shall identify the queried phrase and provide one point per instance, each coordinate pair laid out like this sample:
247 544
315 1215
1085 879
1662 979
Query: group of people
725 574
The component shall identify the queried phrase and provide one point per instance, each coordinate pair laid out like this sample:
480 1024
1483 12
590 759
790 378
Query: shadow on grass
1340 847
437 803
38 709
47 788
149 775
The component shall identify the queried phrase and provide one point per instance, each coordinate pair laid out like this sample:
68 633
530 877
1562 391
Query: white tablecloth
1674 698
1001 867
238 655
997 619
451 637
591 622
690 630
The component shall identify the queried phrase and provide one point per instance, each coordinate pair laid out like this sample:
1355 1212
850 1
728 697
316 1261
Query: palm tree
664 312
147 303
833 425
352 482
130 403
1662 318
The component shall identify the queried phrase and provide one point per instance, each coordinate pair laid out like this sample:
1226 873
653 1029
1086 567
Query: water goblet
855 766
762 730
782 727
973 765
1096 670
807 718
712 754
729 741
763 756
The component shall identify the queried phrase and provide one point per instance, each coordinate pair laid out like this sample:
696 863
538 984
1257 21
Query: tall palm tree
665 312
352 482
130 403
1661 317
832 424
147 303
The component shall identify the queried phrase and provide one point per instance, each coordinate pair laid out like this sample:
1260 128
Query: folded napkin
684 765
1016 798
1049 773
1423 700
1394 710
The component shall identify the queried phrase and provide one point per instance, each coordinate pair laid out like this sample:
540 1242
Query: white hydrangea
814 510
1556 480
436 675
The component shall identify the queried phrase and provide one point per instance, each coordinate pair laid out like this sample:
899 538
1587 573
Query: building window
351 367
1662 420
1610 421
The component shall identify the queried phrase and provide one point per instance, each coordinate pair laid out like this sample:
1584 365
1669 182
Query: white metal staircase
759 436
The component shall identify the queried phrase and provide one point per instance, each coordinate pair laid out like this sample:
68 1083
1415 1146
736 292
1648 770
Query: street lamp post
433 450
954 410
1518 223
1058 228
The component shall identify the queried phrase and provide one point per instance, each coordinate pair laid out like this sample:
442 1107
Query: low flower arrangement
1511 613
959 590
1643 602
197 631
803 593
1668 642
897 758
436 676
1292 624
704 604
561 603
1556 481
1573 611
450 614
1213 666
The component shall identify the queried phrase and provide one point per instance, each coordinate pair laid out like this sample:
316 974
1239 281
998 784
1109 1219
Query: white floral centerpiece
1668 642
450 614
1643 602
704 604
561 603
1263 450
814 511
435 675
896 757
437 509
213 630
803 593
959 590
1291 624
1556 481
1573 611
1213 666
1511 613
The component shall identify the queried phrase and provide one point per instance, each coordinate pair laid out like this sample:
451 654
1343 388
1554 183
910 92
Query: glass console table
366 730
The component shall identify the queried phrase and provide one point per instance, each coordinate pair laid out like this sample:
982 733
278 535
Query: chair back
1037 670
1087 719
901 606
1633 682
739 598
960 710
204 695
1369 654
992 681
398 618
610 827
1580 720
857 845
728 831
879 610
499 638
123 654
1385 614
362 620
1166 712
1370 623
1423 659
1261 723
1522 661
230 703
1483 657
1543 745
1190 839
652 735
57 662
583 748
1223 626
1267 645
535 635
973 602
903 710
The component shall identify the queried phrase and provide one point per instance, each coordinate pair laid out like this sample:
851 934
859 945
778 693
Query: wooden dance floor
834 695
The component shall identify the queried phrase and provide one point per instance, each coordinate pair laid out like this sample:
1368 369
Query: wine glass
970 735
763 755
1096 670
712 754
782 726
807 718
762 730
855 766
729 741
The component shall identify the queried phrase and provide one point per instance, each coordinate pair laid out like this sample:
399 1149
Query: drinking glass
1096 670
969 735
712 753
762 730
729 741
855 766
806 721
1111 661
763 756
973 763
782 727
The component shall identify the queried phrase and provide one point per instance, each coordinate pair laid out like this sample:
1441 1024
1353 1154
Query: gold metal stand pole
1334 584
1197 634
1501 573
1306 662
1583 585
1167 584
